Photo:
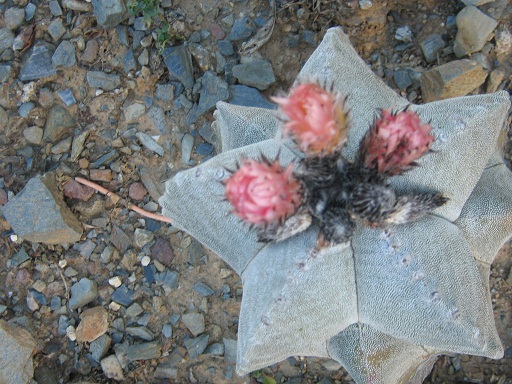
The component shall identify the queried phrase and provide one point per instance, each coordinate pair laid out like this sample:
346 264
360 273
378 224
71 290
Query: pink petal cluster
395 142
317 121
263 193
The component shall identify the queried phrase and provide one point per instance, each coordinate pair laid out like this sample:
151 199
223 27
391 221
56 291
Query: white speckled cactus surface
388 302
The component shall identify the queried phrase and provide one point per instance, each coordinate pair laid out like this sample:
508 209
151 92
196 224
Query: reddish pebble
94 323
83 163
137 191
23 277
217 31
162 251
75 190
101 175
91 51
3 197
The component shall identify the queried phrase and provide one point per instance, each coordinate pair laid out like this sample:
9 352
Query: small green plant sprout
148 8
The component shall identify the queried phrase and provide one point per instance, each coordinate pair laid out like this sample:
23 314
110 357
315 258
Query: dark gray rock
206 131
5 72
194 322
30 11
109 13
168 278
163 371
56 29
226 47
64 55
82 293
18 258
143 351
216 349
157 116
137 37
128 61
197 345
105 159
167 331
165 92
242 29
6 39
149 143
58 123
309 37
402 78
100 347
431 46
123 295
203 289
230 346
55 8
122 34
14 17
179 63
66 95
213 90
256 73
25 109
38 213
139 24
248 97
141 332
204 149
16 348
98 79
37 63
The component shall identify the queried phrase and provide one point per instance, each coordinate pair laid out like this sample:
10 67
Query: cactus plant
388 302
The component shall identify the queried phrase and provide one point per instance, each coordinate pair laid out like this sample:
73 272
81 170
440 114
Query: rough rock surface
16 349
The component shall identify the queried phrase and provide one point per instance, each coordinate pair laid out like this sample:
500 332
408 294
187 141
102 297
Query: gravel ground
97 93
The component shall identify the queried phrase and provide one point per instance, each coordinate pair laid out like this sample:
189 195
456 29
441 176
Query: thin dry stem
115 198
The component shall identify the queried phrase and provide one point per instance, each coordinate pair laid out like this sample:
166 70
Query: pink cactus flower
395 142
262 192
317 120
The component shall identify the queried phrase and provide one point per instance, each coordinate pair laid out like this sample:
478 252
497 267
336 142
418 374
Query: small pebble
145 261
115 281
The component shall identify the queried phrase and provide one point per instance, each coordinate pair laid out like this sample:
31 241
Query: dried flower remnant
263 193
317 121
395 141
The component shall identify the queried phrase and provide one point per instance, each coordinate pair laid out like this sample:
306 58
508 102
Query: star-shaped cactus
389 301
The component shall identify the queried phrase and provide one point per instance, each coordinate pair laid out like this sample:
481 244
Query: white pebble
14 238
70 333
114 306
145 261
63 263
115 281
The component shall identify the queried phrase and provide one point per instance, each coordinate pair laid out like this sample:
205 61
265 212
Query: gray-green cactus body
388 302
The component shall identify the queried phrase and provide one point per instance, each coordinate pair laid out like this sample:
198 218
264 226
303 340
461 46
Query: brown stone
453 79
3 196
90 52
94 323
75 190
83 163
101 175
137 191
162 251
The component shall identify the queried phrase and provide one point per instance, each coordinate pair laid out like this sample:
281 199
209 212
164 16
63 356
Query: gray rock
365 4
207 132
149 143
402 78
165 92
109 13
187 143
203 289
82 293
197 345
133 310
123 295
16 348
119 238
226 47
168 279
213 90
143 58
98 79
137 37
167 331
143 237
5 72
242 29
18 258
30 11
431 46
473 29
456 78
194 322
134 111
404 34
25 109
56 29
309 37
100 347
216 349
14 17
6 39
163 371
143 351
139 24
201 54
122 34
179 63
66 95
55 8
128 61
230 347
256 73
64 55
112 368
476 2
204 149
141 332
37 63
157 116
58 123
33 135
248 97
38 213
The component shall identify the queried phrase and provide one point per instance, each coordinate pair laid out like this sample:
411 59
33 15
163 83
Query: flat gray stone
100 347
197 345
165 92
16 348
248 97
98 79
187 143
5 72
66 95
134 111
14 17
149 143
431 46
38 213
6 39
82 293
33 134
473 29
213 90
56 29
476 2
143 351
109 13
58 123
256 73
141 332
194 322
179 63
157 116
37 63
55 8
230 347
64 55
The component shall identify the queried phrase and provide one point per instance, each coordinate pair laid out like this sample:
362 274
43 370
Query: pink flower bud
263 193
317 121
395 142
